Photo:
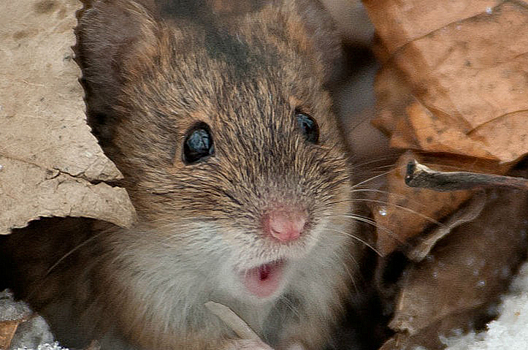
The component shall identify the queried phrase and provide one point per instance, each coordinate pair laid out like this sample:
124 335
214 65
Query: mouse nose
284 224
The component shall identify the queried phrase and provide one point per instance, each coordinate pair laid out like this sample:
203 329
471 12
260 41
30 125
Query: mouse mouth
264 280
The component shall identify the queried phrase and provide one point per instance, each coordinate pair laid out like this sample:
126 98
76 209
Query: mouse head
222 126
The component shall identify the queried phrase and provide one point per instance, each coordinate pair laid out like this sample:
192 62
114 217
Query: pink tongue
264 280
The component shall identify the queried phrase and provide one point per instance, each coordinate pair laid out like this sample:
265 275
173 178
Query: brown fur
150 75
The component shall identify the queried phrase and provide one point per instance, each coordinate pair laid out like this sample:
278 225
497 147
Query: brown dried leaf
455 82
428 338
49 160
465 273
400 22
468 70
469 212
393 95
7 332
460 73
432 134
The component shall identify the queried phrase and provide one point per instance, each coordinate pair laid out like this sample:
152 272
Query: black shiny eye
308 127
198 144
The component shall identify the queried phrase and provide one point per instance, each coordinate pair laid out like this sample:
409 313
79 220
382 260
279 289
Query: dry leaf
469 212
400 22
466 64
7 332
50 163
393 95
464 274
454 89
428 338
455 83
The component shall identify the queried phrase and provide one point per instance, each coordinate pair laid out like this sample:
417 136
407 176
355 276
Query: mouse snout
285 224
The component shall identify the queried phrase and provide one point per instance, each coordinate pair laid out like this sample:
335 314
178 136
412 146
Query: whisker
377 176
373 223
399 195
352 200
73 250
370 190
290 306
366 174
357 238
376 160
377 168
346 268
423 216
358 124
61 259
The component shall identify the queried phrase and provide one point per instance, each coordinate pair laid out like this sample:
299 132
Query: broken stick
419 175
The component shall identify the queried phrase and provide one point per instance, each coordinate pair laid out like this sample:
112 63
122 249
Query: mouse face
229 146
231 155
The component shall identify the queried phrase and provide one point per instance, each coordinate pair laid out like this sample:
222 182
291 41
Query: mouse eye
308 126
198 144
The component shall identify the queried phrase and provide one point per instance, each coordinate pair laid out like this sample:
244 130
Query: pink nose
285 225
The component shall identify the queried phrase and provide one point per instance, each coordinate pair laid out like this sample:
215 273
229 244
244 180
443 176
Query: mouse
223 127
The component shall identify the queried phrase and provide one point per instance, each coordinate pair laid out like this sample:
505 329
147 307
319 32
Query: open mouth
264 280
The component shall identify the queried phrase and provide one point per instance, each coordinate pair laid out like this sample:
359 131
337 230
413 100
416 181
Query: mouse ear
109 34
323 33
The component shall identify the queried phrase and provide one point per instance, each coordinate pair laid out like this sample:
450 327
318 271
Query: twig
232 320
249 340
418 175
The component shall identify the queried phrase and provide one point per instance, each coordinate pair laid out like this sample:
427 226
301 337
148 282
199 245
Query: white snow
510 330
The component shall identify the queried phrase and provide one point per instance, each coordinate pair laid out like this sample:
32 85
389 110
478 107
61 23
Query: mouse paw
246 344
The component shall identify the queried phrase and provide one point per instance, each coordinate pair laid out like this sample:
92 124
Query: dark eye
308 127
198 144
